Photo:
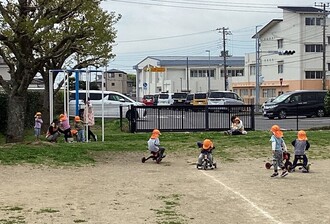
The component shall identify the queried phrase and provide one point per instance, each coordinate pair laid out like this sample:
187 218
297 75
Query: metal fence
189 118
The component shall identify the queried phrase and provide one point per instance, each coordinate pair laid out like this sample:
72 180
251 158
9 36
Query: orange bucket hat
77 119
207 144
277 131
155 133
302 135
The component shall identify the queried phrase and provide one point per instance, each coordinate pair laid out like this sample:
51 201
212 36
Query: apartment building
300 30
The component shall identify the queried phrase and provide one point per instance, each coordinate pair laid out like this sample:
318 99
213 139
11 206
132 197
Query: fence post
207 117
252 115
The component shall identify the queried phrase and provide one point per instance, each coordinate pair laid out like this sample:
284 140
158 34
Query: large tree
39 35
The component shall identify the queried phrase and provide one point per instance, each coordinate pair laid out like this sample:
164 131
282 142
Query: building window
243 92
280 43
120 75
313 48
313 21
112 84
266 93
328 40
233 72
252 69
201 72
280 67
328 66
313 74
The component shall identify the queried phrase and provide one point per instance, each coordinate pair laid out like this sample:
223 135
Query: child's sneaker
274 174
284 173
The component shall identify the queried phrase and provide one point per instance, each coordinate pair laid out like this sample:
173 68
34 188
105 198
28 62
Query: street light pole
209 74
257 89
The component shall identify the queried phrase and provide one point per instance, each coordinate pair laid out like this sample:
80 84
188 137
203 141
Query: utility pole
224 31
257 90
325 15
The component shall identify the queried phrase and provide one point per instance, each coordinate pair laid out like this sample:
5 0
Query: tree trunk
45 107
16 117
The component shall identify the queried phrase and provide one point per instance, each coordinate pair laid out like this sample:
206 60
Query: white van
112 101
165 99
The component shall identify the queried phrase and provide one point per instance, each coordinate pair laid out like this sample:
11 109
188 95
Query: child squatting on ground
79 126
206 149
278 145
154 144
37 125
301 145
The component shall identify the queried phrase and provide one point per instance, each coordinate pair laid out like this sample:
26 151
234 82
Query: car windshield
190 97
148 97
281 98
163 96
179 95
200 96
216 95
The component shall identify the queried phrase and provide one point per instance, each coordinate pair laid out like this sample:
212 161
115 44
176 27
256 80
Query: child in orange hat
65 127
79 126
301 145
206 149
278 146
154 145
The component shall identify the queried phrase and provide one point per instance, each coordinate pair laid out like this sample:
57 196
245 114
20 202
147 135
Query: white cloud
148 20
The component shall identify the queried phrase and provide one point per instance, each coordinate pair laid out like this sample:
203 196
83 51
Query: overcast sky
188 27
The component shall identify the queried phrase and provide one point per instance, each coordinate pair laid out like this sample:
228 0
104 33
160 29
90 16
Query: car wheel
282 114
320 112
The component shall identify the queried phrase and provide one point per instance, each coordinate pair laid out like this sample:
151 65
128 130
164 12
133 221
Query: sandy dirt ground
120 189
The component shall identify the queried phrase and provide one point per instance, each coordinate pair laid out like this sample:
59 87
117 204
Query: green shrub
327 102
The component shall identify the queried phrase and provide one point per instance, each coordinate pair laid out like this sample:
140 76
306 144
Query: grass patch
167 214
47 210
228 148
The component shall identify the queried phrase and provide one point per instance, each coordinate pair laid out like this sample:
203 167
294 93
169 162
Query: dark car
297 103
179 98
189 99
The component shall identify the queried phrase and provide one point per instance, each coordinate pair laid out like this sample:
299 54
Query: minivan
112 102
148 100
165 99
296 103
200 99
224 98
179 98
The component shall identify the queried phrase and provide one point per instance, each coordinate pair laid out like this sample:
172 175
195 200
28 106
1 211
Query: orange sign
157 69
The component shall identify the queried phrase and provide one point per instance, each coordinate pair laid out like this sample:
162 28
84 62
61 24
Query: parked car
148 100
189 99
165 99
200 99
111 104
156 99
179 98
224 98
301 102
269 100
219 98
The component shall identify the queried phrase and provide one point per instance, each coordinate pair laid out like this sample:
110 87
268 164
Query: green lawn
253 145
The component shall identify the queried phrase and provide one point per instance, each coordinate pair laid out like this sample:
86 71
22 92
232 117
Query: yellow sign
157 69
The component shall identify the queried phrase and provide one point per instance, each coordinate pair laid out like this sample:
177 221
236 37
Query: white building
301 30
157 74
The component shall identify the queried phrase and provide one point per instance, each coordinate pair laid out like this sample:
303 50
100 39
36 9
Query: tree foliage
327 102
39 35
